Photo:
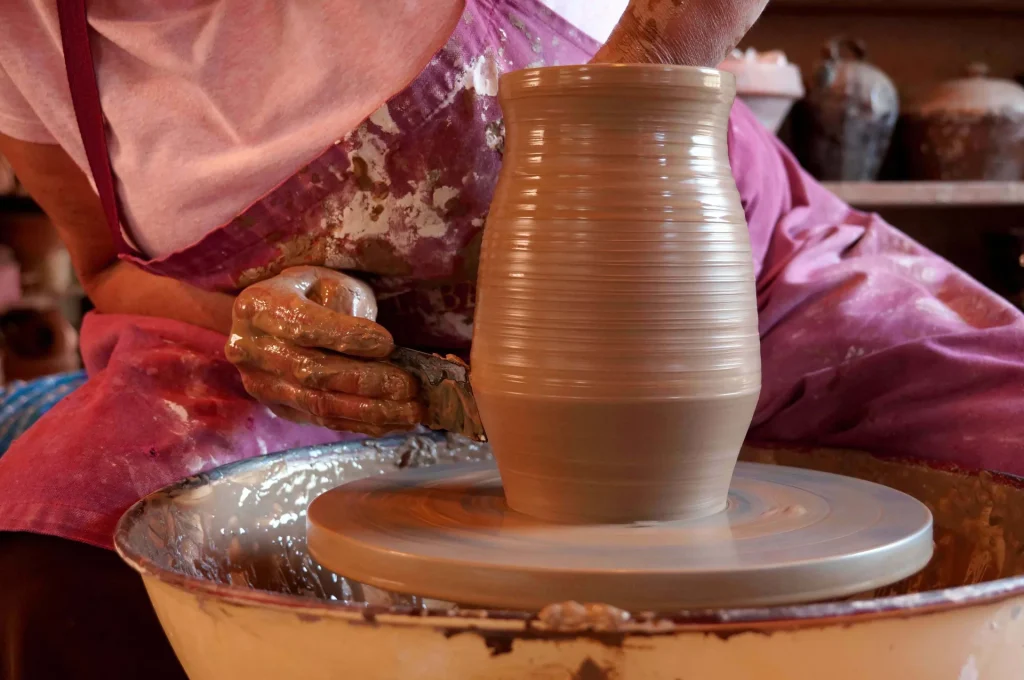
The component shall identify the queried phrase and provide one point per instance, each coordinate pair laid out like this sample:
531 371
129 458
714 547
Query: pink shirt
211 104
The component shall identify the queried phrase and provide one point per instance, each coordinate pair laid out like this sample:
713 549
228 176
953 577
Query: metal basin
224 560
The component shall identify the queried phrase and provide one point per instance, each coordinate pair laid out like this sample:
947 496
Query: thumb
343 294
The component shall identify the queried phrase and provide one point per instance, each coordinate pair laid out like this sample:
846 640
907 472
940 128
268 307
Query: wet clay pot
969 128
843 128
615 355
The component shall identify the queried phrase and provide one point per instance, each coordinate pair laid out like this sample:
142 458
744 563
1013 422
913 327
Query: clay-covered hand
687 32
307 346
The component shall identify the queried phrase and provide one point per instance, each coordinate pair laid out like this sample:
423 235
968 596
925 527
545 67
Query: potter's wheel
788 535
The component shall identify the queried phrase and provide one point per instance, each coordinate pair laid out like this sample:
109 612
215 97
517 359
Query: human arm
689 32
115 287
869 341
298 379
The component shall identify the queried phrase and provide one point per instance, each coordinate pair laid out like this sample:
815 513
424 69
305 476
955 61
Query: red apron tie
85 96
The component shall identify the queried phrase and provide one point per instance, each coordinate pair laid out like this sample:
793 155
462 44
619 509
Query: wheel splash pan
223 556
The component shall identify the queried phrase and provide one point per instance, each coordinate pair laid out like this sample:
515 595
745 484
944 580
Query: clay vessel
969 128
843 128
615 355
36 340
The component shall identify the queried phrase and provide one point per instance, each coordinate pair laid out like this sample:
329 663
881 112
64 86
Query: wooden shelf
925 194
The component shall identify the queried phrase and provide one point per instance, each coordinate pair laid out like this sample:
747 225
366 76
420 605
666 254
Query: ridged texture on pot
615 354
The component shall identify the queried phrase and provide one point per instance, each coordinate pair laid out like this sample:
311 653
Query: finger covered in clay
325 404
321 370
288 306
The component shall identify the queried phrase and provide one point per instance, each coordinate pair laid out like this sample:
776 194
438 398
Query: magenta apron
400 201
868 340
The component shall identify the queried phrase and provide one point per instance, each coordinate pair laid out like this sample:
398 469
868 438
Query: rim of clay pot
732 620
659 81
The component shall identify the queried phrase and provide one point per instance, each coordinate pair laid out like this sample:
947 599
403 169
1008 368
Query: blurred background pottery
969 128
766 82
842 129
37 340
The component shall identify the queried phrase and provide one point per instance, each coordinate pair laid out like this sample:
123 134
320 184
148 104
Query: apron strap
85 96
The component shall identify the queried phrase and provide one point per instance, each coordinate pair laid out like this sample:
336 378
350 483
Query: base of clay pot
788 535
592 461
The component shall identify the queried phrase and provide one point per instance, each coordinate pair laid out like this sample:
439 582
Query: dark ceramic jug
843 128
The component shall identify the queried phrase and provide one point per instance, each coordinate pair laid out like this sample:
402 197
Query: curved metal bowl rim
777 617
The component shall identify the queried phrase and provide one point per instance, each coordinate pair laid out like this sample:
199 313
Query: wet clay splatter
402 199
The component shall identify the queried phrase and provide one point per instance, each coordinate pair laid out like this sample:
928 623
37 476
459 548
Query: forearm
688 32
123 288
115 287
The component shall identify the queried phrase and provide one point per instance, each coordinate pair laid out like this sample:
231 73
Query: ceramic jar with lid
969 128
844 126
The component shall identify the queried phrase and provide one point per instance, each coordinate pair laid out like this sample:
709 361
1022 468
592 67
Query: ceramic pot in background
36 340
615 355
970 128
45 263
766 82
843 128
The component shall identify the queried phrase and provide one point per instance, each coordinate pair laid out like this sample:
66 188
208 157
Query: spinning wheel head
788 535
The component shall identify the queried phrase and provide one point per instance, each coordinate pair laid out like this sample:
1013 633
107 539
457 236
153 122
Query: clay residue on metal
238 534
966 129
978 518
576 617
